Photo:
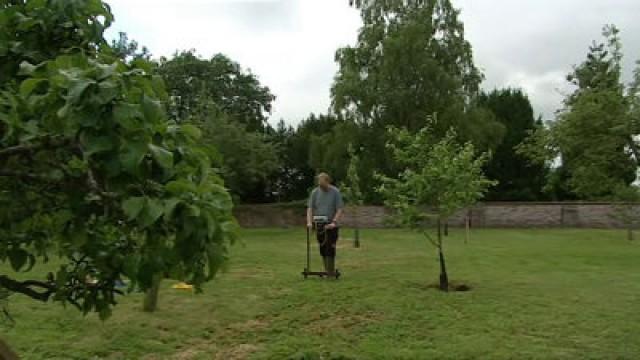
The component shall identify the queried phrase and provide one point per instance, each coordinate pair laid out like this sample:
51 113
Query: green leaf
133 206
18 258
152 212
152 109
98 144
27 86
170 206
132 156
127 115
180 186
107 70
77 90
191 131
63 112
163 157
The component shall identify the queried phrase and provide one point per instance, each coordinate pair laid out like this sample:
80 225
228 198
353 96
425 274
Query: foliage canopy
91 168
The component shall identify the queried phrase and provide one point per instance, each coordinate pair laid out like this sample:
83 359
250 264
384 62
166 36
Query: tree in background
352 192
231 106
247 159
193 81
295 176
329 151
440 178
411 61
594 135
92 169
518 179
128 50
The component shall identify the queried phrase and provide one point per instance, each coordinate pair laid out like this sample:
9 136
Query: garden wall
486 215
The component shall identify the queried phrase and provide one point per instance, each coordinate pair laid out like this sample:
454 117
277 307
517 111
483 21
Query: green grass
546 294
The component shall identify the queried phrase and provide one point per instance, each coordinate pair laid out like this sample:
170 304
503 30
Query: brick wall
490 215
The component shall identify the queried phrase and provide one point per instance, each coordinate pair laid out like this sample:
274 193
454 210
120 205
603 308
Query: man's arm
336 219
311 204
339 207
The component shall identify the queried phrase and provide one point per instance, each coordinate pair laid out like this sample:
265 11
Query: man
325 210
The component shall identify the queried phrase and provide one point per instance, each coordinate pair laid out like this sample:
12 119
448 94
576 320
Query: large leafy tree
231 106
193 81
518 179
440 177
595 133
91 168
247 159
411 60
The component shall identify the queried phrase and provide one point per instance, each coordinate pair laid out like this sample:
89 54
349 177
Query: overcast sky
290 44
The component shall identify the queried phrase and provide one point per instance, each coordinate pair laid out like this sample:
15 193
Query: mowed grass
537 294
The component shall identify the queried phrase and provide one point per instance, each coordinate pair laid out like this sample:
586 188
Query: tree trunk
151 296
356 234
466 228
6 353
446 228
630 234
444 278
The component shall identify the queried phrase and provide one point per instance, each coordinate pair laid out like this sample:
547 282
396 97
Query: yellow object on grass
182 286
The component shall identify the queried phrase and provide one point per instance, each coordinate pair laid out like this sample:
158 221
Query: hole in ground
453 286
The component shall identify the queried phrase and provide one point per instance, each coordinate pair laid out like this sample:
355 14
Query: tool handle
308 250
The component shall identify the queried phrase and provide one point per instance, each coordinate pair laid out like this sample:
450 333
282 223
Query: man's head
324 181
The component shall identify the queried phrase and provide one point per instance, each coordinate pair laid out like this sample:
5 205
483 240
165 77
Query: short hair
325 176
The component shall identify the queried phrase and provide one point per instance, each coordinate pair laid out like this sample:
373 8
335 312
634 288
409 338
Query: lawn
546 294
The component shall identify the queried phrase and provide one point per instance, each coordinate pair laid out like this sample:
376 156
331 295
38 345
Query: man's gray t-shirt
325 203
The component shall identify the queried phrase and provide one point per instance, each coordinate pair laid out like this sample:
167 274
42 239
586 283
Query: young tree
351 189
626 200
439 179
91 168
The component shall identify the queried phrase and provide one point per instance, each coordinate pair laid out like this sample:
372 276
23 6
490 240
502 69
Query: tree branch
426 235
20 149
27 288
22 175
47 143
95 187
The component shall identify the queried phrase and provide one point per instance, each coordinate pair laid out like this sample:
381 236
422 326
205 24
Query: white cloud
290 44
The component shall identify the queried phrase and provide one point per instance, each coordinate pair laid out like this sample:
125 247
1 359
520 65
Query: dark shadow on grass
454 286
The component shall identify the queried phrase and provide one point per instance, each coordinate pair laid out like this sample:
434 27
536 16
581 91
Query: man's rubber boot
325 262
331 266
